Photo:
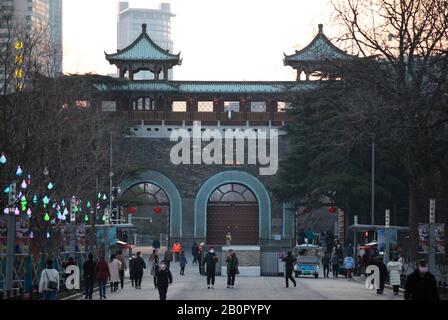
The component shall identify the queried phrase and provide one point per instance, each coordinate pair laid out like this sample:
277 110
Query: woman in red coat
102 275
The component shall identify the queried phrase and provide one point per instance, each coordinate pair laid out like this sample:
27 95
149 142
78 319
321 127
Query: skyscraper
56 31
130 22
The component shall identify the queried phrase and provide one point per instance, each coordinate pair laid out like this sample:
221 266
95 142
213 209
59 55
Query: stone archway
171 191
226 177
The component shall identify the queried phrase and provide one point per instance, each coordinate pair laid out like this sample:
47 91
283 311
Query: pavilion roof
143 49
320 49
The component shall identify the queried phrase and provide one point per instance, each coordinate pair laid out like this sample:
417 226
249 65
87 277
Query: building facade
158 22
205 200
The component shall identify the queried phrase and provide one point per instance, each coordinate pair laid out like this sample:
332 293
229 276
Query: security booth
379 238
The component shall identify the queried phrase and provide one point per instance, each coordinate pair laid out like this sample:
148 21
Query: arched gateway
249 198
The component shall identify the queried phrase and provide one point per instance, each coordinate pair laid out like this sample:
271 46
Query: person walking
168 257
154 267
123 268
383 274
289 266
326 261
335 264
177 248
152 255
421 284
49 282
194 252
182 263
114 270
139 266
349 265
210 259
394 268
164 279
89 276
156 245
102 274
132 269
232 268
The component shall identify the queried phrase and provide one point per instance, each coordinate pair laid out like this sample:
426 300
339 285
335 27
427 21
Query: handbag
52 285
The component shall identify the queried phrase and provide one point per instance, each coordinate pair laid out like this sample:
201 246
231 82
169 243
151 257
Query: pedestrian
89 276
394 268
154 265
102 274
168 257
326 261
194 252
421 284
182 263
339 250
132 269
152 255
201 245
114 270
123 268
49 282
210 259
289 266
232 269
156 245
164 279
177 248
140 267
349 265
335 264
383 274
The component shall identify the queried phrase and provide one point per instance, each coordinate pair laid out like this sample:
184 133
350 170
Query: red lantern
132 210
157 210
332 210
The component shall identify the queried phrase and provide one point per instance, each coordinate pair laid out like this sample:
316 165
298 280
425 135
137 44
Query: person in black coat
89 276
156 244
195 252
139 267
289 266
421 284
210 259
383 274
164 279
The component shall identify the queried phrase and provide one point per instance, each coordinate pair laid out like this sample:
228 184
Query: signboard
387 222
341 224
432 211
277 237
423 237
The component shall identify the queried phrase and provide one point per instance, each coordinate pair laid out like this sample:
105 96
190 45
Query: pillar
165 72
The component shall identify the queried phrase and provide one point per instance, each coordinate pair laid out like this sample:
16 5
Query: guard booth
385 238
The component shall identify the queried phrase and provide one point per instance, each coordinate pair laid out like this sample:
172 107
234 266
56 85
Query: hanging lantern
332 210
19 171
104 217
23 203
88 204
6 211
63 217
28 212
132 210
46 217
48 235
16 211
99 195
7 189
29 180
50 186
86 218
63 203
65 211
2 159
23 185
45 200
157 210
104 197
31 235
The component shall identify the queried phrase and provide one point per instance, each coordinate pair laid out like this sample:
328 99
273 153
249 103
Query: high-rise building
56 31
158 23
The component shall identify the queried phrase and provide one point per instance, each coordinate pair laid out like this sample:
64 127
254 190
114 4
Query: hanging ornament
23 185
2 159
16 211
98 206
332 210
88 204
86 218
46 217
63 203
99 195
63 217
58 208
35 199
65 211
104 218
48 235
45 200
54 205
7 189
19 171
23 203
31 235
157 210
53 222
29 179
28 212
104 197
50 186
6 211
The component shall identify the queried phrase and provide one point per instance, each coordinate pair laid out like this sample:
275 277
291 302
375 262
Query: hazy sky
218 39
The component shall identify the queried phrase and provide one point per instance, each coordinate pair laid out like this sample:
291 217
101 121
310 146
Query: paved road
193 286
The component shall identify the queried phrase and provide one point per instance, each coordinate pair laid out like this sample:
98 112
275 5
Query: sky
218 39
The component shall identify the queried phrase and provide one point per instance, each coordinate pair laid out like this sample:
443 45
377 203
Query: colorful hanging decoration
63 203
48 235
16 211
19 171
104 197
88 205
28 212
46 217
31 235
86 218
2 159
6 211
7 189
65 211
332 210
45 200
99 195
23 203
23 185
29 180
50 186
35 199
157 210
